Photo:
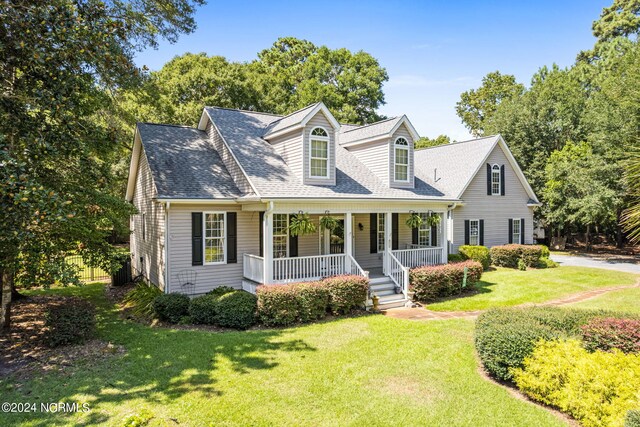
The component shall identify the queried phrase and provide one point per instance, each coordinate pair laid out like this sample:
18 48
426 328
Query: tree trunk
588 238
6 277
619 233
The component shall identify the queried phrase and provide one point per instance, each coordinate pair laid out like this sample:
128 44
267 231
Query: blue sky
432 50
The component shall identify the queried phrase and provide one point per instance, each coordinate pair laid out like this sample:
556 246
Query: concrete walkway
626 264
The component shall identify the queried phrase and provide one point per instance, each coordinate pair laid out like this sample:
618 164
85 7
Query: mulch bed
22 348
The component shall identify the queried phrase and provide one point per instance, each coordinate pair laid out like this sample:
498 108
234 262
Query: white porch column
388 232
267 248
348 239
444 234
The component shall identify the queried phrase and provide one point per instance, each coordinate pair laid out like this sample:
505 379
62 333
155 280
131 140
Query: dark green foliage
346 293
476 253
171 307
432 282
505 336
140 299
221 290
72 321
236 310
202 309
632 419
455 258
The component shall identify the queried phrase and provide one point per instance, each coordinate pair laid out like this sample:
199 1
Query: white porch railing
253 267
417 257
399 274
355 268
297 269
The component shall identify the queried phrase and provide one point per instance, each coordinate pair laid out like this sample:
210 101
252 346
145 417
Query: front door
332 241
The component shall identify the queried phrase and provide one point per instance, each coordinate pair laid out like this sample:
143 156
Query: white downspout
167 277
268 244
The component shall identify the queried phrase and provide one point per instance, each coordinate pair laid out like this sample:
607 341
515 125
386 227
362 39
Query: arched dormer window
318 153
495 180
401 160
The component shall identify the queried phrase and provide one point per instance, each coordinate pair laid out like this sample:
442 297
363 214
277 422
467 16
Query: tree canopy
425 142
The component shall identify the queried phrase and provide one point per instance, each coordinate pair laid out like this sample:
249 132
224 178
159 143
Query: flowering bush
609 333
431 282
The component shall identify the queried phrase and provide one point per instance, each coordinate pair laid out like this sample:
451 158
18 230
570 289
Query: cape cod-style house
215 202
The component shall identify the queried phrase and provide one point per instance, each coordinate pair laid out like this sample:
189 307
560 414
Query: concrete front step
382 286
392 303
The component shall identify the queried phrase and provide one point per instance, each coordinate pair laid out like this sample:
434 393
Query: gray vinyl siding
151 248
229 161
375 156
319 120
208 277
402 131
289 147
494 210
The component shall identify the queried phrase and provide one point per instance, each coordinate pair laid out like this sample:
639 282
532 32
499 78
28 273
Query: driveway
609 263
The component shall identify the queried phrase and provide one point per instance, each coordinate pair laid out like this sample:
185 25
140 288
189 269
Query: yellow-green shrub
597 389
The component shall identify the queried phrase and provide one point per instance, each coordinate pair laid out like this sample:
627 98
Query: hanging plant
414 221
301 224
434 220
328 222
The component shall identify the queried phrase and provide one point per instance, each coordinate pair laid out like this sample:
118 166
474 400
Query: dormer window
319 153
401 151
495 180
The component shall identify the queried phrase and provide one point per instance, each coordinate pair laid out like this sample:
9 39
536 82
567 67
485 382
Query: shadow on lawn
160 365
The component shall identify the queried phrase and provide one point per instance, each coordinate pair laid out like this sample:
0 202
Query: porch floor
375 273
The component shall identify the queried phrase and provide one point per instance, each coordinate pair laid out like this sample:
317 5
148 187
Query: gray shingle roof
350 134
270 175
184 164
292 119
456 163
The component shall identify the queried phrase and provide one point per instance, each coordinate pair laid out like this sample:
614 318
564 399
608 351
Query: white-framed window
380 234
280 235
495 180
424 231
401 160
516 231
474 232
319 153
215 237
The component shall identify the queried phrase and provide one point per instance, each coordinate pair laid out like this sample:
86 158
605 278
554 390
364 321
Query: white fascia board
133 165
407 123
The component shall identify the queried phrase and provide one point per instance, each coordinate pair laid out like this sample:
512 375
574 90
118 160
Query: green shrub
546 263
72 321
236 310
202 309
171 307
313 300
506 336
476 253
140 299
221 290
455 258
597 389
521 265
346 293
508 255
544 251
632 419
432 282
608 333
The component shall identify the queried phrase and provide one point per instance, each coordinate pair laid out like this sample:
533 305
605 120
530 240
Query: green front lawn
507 287
627 300
371 370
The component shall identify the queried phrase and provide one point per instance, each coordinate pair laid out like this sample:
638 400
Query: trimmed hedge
509 255
236 310
608 333
202 309
221 290
283 305
597 389
504 337
432 282
544 251
72 321
171 307
476 253
455 258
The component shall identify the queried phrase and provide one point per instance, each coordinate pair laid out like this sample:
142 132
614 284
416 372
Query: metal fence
86 273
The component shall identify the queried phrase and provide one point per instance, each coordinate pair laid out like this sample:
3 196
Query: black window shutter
488 179
196 238
232 237
261 233
293 244
481 232
414 236
510 231
394 231
522 230
434 235
502 182
466 231
373 233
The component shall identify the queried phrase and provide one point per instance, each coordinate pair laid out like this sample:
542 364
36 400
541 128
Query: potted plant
328 222
301 224
414 220
434 220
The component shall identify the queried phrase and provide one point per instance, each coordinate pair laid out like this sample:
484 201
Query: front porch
379 246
